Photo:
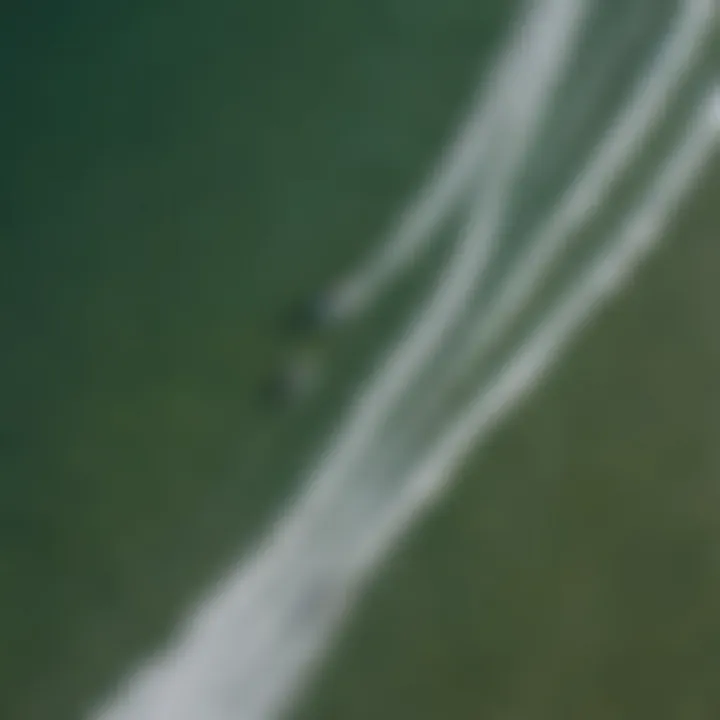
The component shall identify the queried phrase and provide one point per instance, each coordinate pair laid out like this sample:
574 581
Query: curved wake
248 652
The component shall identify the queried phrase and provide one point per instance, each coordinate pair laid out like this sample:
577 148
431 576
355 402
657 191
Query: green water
174 176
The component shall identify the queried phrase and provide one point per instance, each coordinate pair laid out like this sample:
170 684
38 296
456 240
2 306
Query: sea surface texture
360 360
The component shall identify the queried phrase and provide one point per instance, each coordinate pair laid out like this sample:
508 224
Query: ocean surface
175 177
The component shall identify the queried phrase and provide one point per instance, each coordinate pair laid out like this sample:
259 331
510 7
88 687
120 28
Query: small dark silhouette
310 316
294 380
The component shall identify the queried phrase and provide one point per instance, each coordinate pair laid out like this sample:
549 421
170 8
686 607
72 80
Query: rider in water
296 379
323 310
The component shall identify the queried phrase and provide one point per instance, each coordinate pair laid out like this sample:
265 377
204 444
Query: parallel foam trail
636 238
606 275
462 167
297 645
248 651
547 50
619 147
461 279
546 55
413 416
544 51
378 398
616 150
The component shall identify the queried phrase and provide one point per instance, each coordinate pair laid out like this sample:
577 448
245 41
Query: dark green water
173 176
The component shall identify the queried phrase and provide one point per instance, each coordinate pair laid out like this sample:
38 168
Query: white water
618 148
247 652
467 161
614 264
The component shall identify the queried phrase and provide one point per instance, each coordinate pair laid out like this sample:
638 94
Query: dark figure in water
310 316
294 381
335 305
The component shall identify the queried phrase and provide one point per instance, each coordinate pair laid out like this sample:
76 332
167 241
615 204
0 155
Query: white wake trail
253 606
247 652
463 166
333 570
346 570
642 229
640 232
544 49
617 150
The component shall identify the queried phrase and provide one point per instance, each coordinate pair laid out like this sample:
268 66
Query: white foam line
619 147
296 645
635 240
167 687
183 690
463 165
615 264
545 51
